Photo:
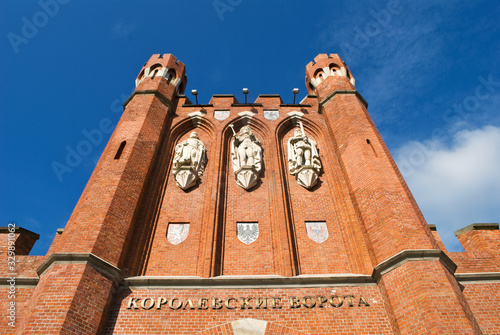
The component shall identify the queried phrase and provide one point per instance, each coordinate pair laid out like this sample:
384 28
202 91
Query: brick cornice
404 256
82 258
334 93
166 101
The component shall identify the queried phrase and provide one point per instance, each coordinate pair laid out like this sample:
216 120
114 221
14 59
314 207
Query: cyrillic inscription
335 301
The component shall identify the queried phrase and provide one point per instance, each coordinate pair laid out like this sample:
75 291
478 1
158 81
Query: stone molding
232 282
82 258
22 282
334 93
477 226
404 256
157 94
478 277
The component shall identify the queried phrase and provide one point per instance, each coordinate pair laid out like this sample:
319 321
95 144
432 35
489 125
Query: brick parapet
20 238
480 237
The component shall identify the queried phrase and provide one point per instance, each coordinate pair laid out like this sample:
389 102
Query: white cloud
457 185
121 30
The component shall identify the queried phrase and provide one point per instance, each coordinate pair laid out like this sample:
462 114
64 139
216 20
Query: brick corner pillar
77 280
414 275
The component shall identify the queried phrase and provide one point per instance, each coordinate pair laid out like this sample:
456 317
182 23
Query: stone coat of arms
317 231
177 232
247 232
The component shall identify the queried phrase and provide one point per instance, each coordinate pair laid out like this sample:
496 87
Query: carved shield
177 232
317 231
247 231
221 115
271 114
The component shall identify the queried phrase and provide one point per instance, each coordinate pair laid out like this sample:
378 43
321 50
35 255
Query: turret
164 73
91 250
328 73
393 223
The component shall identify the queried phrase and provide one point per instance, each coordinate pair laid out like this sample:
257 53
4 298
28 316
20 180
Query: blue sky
428 69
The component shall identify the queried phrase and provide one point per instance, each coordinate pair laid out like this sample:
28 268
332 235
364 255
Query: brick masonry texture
117 232
326 320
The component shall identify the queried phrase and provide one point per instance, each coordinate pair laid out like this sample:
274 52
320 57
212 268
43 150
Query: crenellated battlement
324 67
164 66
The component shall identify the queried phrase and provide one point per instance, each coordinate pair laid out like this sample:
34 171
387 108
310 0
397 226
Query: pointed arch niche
175 207
309 256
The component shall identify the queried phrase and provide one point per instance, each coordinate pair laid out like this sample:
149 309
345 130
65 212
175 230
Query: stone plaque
317 231
271 115
177 232
221 115
247 231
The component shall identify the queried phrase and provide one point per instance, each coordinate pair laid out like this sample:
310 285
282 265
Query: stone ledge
413 255
82 258
157 94
230 282
477 226
22 282
334 93
478 277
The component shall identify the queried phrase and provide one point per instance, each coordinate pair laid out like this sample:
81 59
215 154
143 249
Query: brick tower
252 218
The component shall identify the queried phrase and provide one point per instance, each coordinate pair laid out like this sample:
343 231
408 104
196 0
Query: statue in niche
189 161
303 158
246 156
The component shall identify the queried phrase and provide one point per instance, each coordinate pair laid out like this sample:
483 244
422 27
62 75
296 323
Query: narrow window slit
371 146
120 150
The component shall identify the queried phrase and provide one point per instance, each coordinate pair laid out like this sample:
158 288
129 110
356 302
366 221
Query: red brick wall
70 298
326 320
427 300
22 300
483 300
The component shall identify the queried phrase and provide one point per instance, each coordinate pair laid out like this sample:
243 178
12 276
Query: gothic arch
262 130
141 250
283 128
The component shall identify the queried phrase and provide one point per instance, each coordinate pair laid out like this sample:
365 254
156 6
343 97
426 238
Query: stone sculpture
189 161
246 156
303 159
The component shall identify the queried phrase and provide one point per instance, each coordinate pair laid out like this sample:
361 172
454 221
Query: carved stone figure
246 156
303 159
189 161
